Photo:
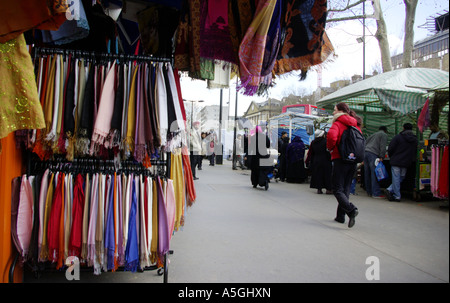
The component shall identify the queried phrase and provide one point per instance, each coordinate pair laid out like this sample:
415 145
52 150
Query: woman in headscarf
295 164
258 155
320 163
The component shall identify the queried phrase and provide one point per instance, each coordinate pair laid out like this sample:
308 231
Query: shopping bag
380 171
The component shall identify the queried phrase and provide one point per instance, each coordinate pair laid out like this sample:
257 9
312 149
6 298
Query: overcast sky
349 60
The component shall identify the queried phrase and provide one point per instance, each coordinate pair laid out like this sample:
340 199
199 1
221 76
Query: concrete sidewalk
235 233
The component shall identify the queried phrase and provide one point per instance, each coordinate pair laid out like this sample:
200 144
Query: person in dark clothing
283 142
295 164
320 163
402 152
259 144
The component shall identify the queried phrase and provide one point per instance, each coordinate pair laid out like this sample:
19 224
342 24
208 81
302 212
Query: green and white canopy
390 98
397 92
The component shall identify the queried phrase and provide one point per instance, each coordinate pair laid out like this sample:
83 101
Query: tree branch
347 7
351 18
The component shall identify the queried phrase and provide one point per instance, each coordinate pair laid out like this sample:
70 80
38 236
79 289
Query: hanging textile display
306 43
101 106
108 219
439 171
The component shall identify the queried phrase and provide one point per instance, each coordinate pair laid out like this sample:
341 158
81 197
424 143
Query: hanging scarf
240 16
424 119
131 117
69 108
306 43
92 221
86 207
443 175
48 206
147 117
215 41
42 199
163 227
99 228
171 207
132 249
251 51
87 114
102 124
25 215
140 146
144 259
188 178
176 174
149 214
161 101
155 205
54 223
116 119
110 245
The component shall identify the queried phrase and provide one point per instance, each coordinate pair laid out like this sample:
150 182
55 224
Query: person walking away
195 147
342 172
283 142
259 144
212 145
402 153
320 163
295 164
375 149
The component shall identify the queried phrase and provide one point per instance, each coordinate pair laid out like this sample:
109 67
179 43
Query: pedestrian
319 160
402 153
375 149
342 172
283 142
211 148
195 142
258 151
200 159
295 164
239 157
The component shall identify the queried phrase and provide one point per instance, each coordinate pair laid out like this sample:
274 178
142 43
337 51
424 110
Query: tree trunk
381 36
408 42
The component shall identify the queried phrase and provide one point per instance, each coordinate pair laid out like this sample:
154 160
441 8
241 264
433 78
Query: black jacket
402 149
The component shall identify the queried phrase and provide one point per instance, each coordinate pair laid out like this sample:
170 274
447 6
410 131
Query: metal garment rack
87 165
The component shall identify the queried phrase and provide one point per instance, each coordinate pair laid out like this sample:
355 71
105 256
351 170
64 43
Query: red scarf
77 218
53 228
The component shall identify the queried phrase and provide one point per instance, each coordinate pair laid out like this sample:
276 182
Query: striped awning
396 93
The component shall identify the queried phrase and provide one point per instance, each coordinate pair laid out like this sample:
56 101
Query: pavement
235 233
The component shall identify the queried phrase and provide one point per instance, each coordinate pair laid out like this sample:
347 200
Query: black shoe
389 195
254 186
266 186
195 178
199 168
339 220
352 217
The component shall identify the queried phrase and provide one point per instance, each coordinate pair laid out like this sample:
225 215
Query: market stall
392 99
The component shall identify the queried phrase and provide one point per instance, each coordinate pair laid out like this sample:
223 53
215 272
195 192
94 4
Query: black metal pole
235 130
219 158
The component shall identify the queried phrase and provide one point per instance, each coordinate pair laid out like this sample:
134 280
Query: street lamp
192 108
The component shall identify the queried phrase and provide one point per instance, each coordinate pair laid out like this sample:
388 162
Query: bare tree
350 10
408 42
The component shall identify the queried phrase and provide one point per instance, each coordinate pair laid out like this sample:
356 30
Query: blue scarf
132 249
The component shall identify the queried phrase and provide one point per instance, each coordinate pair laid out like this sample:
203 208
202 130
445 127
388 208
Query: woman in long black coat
258 150
320 163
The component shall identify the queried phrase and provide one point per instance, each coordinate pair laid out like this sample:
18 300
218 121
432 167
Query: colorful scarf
110 244
215 41
54 224
163 227
251 50
171 207
306 43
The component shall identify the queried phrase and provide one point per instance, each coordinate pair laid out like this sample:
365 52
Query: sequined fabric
19 101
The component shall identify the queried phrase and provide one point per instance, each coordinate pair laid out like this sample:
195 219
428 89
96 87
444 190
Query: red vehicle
308 109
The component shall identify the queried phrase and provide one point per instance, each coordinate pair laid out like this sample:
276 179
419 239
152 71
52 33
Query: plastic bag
380 171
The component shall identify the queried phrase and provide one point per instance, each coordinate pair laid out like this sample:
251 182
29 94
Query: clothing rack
92 165
92 55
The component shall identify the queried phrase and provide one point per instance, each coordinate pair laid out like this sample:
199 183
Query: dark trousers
194 161
342 180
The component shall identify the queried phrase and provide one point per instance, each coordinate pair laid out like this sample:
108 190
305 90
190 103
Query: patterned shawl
306 43
251 51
